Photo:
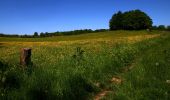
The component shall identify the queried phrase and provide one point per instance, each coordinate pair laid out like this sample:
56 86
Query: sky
29 16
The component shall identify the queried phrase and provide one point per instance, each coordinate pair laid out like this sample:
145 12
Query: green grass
71 71
148 78
110 35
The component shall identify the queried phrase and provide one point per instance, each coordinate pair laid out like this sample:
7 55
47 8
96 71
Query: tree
42 34
161 27
154 27
35 34
168 28
130 20
116 21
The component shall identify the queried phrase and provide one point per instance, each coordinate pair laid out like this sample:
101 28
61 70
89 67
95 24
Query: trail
114 80
117 80
102 94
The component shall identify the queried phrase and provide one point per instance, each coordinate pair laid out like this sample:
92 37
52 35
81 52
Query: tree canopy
35 34
130 20
161 27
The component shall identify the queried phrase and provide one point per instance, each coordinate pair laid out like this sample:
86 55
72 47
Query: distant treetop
130 20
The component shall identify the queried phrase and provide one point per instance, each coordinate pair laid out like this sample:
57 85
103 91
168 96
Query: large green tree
116 21
130 20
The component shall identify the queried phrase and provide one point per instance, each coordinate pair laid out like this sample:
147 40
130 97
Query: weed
79 55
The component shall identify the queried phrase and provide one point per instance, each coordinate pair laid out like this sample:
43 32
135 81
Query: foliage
36 34
168 28
116 23
79 55
130 20
154 27
161 27
42 34
47 34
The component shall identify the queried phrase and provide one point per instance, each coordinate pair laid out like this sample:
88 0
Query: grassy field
81 66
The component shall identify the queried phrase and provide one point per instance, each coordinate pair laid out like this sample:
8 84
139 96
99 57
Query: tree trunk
25 56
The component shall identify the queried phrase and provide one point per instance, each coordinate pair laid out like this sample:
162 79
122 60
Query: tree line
161 27
50 34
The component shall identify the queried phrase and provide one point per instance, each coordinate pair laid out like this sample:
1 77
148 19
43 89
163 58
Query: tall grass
68 72
74 76
148 80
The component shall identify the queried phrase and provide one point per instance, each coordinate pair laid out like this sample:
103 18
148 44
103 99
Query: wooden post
25 56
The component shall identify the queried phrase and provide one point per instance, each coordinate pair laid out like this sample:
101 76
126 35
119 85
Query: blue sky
29 16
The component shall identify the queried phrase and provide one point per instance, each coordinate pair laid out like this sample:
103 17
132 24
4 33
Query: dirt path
102 94
115 80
